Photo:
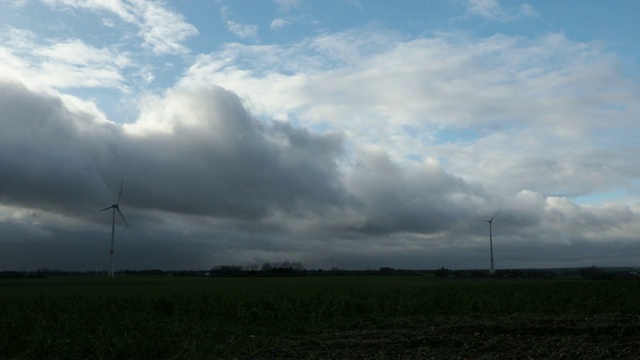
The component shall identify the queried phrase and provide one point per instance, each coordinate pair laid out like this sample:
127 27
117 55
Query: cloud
528 11
66 64
243 31
287 5
289 13
418 198
361 147
492 10
428 154
237 166
43 148
278 23
76 52
206 182
162 30
198 168
243 167
194 157
532 127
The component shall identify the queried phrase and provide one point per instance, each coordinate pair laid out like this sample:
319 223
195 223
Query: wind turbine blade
122 216
494 215
107 208
120 193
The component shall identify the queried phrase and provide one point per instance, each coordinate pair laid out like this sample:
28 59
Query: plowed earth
593 337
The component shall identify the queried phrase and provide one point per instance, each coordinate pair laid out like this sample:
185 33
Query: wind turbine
115 207
492 271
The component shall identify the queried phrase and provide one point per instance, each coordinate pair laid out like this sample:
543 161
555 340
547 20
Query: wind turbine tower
492 270
115 207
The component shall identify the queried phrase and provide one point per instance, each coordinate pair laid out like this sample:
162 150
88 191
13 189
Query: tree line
287 268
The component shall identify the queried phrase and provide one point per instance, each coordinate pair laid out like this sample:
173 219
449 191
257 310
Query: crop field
319 318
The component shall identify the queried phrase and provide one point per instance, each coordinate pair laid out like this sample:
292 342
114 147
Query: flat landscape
328 317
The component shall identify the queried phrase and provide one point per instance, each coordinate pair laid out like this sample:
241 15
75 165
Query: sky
355 134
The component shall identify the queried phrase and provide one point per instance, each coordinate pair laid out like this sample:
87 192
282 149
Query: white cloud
492 10
67 64
278 23
75 52
528 11
243 31
122 8
289 12
163 30
287 5
16 2
486 8
531 127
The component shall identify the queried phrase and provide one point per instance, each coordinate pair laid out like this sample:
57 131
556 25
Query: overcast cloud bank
361 149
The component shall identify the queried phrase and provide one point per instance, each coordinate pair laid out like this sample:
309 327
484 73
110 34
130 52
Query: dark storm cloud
210 157
421 198
49 156
203 180
207 183
214 160
200 180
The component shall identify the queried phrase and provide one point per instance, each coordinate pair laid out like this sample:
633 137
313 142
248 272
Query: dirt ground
595 337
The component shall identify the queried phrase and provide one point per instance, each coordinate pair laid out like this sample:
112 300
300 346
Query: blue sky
374 132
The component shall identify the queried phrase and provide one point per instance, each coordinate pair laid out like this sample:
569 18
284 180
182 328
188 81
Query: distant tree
252 267
594 273
386 271
8 274
442 272
266 267
228 270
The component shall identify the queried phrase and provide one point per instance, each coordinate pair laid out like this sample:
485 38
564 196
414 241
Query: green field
318 318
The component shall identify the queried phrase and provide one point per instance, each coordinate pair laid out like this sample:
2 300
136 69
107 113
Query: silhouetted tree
442 272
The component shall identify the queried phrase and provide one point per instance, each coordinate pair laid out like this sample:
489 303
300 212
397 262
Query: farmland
318 318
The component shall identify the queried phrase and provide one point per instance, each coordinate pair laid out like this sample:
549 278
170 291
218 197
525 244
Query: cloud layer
361 148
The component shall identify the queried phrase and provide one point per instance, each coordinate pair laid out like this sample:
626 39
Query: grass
317 317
